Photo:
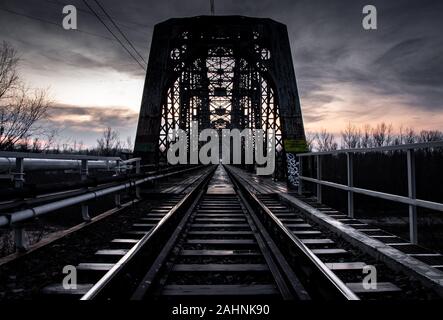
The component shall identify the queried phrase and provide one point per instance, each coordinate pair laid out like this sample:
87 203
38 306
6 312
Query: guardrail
19 161
411 200
14 218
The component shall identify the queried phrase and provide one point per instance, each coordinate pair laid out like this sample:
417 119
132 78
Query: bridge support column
412 194
350 173
319 177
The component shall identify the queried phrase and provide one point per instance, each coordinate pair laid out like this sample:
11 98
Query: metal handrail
29 155
131 160
25 214
402 147
411 200
42 161
9 164
380 195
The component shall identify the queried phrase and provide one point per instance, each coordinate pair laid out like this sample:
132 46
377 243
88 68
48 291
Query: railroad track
220 239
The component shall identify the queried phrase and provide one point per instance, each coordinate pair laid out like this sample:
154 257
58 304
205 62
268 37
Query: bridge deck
399 253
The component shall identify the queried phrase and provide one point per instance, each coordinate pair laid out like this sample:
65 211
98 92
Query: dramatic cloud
344 73
87 123
92 118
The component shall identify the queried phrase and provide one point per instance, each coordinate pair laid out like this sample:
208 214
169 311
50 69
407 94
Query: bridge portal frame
263 43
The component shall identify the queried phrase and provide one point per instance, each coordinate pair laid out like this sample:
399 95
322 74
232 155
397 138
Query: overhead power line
113 34
119 30
124 24
52 23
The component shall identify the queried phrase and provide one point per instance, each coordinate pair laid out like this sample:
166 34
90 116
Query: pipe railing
15 218
411 200
21 161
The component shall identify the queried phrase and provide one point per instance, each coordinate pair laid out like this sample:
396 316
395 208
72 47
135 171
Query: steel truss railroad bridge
216 230
228 72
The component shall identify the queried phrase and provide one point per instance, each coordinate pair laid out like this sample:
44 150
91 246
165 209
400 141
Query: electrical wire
52 23
121 32
113 34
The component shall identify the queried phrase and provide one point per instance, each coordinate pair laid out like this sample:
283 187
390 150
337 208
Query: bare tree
405 136
366 137
410 136
109 143
310 140
19 116
369 137
382 135
325 141
430 135
20 107
351 137
80 146
129 146
9 79
49 139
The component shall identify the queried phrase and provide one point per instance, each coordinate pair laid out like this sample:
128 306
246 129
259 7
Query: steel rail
149 278
287 282
325 273
286 279
17 216
143 242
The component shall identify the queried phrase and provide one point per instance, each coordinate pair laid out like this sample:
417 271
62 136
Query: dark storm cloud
417 66
403 58
79 124
49 46
92 118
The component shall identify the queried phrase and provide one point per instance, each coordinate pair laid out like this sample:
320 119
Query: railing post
350 174
137 171
84 171
19 173
300 174
117 197
118 167
85 213
319 177
412 194
21 239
